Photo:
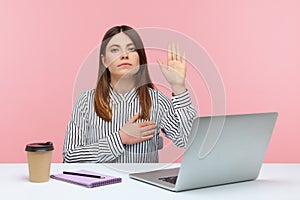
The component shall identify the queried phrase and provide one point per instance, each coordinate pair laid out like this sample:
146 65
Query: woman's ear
103 60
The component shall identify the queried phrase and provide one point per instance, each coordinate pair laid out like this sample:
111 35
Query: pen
81 174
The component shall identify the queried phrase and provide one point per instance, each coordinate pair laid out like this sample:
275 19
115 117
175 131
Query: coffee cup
39 161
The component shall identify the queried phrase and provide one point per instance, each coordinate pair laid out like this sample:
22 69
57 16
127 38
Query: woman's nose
124 54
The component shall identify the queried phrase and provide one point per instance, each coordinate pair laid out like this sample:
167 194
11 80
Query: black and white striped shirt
91 139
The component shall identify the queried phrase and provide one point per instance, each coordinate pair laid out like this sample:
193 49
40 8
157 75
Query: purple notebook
87 181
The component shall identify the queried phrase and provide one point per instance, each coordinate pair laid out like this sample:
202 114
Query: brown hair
102 98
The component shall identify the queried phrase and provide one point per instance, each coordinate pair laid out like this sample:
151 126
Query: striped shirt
89 138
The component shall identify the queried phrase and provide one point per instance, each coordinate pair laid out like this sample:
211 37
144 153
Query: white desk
276 181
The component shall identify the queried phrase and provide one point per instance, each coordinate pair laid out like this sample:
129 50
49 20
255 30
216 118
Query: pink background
254 43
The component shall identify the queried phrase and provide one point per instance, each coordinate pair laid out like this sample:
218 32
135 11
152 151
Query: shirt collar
117 97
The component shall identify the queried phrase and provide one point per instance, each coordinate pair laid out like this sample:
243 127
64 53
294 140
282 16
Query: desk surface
276 181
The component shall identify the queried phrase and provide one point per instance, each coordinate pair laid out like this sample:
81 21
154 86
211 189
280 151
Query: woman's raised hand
175 70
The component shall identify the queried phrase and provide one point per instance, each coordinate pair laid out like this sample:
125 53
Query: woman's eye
114 50
131 49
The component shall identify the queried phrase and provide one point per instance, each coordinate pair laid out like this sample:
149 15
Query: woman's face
121 58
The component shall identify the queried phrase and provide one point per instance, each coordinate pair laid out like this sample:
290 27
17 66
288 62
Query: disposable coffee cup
39 161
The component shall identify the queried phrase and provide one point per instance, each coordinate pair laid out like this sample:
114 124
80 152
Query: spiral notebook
87 181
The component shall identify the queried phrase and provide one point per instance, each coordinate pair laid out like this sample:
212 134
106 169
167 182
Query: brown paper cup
39 161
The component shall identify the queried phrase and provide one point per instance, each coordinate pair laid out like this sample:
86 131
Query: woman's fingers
160 62
174 53
147 133
169 52
178 53
183 59
146 138
163 68
147 123
148 128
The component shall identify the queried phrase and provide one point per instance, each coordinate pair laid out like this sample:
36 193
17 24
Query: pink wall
254 43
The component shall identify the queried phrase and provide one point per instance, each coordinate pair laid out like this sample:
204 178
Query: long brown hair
102 98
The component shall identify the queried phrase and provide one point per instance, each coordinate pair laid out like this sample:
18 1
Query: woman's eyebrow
116 45
130 44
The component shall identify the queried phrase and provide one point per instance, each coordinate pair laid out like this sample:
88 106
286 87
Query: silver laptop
220 150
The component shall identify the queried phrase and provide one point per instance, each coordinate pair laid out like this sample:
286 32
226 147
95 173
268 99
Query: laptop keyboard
171 179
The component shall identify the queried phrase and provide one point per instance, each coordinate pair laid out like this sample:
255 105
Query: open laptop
220 150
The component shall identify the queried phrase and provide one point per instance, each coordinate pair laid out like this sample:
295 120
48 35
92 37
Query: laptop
220 150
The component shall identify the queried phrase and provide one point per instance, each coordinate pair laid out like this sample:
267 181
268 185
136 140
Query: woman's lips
124 64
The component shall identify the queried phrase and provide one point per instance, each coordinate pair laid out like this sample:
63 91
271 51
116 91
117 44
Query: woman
120 120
